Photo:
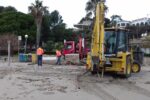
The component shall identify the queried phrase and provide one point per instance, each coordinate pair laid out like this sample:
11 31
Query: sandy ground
25 81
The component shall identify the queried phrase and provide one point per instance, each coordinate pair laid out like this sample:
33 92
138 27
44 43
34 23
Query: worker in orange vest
39 53
58 55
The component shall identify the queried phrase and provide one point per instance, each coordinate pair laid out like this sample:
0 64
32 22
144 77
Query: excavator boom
97 48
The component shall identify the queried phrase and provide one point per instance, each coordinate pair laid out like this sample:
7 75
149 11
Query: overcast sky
73 10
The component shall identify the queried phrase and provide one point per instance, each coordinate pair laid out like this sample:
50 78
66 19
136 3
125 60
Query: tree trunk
38 34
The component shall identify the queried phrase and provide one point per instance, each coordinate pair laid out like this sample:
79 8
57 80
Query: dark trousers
39 60
58 60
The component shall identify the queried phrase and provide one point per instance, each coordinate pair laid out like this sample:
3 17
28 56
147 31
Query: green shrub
58 45
51 46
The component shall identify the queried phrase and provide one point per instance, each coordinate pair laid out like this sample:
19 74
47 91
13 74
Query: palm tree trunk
38 34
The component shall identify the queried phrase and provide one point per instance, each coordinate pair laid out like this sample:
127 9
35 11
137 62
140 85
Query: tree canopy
91 7
17 23
52 27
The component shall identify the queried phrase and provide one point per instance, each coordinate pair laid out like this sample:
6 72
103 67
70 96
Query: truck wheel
128 67
136 67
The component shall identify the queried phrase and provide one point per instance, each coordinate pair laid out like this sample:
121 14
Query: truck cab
69 47
80 48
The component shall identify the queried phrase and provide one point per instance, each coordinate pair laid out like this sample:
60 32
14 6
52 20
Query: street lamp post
19 39
26 37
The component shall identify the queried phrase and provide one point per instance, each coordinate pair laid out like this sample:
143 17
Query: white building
141 21
123 24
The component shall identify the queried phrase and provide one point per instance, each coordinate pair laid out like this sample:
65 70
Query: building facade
141 21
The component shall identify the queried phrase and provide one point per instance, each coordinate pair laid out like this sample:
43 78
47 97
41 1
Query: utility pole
8 52
19 39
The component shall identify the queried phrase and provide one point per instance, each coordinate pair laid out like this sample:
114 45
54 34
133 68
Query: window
68 46
142 24
122 41
110 42
123 24
137 24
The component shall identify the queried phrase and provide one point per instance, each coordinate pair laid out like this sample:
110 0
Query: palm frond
89 6
88 15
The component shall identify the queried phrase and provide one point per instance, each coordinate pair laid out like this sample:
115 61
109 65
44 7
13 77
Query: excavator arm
96 56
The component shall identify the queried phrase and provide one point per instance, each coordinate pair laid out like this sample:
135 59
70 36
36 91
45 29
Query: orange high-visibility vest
58 53
39 51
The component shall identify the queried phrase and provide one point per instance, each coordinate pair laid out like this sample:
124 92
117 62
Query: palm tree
91 7
38 10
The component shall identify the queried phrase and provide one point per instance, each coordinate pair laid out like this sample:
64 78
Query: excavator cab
116 40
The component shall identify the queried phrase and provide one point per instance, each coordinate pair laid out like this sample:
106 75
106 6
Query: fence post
8 52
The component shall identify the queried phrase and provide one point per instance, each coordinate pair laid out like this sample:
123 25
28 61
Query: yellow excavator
110 49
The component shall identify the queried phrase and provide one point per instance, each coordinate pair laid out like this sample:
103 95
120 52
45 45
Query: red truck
72 47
